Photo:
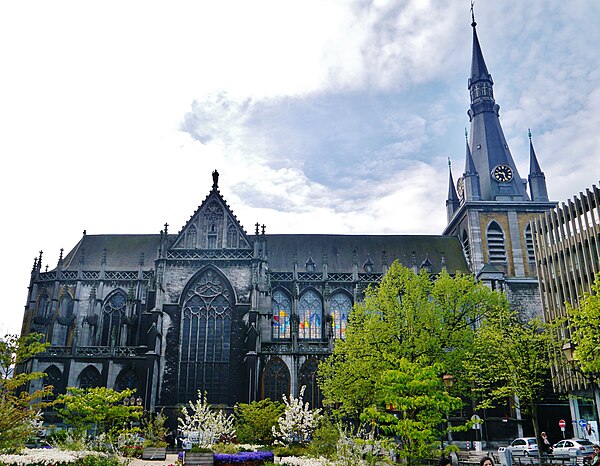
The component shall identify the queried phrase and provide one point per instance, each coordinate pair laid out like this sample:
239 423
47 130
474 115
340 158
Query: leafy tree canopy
585 330
254 421
407 317
19 408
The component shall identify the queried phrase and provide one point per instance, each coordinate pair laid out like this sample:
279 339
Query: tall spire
479 71
469 164
452 203
537 179
499 179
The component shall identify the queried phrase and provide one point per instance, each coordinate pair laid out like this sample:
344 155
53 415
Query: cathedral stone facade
246 316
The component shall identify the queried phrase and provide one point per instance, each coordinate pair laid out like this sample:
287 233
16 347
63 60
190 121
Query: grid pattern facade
566 241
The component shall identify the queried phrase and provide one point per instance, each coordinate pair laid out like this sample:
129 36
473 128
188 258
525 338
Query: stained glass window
206 338
341 304
308 379
310 313
282 309
112 318
53 377
276 380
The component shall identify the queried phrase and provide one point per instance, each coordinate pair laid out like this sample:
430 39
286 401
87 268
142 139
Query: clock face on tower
502 173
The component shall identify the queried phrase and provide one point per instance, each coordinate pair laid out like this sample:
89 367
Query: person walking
596 456
546 447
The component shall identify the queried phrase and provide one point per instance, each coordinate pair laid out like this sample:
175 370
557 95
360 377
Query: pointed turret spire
479 71
472 190
537 179
452 203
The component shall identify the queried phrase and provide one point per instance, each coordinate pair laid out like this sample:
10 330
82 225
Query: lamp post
568 351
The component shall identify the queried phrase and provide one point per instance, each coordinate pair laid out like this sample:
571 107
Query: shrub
254 421
324 440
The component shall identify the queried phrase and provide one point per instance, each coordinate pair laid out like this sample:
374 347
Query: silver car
573 447
523 446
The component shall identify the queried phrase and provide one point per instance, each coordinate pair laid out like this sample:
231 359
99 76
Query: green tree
409 326
407 316
418 403
254 421
510 358
99 409
18 408
585 330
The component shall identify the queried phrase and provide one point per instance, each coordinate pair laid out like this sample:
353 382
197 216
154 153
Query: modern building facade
246 316
567 241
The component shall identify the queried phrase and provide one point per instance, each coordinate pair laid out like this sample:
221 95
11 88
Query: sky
321 116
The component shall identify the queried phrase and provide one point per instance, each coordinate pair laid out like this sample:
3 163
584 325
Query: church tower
495 209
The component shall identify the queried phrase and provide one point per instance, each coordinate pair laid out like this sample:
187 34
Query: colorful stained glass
282 308
341 304
310 310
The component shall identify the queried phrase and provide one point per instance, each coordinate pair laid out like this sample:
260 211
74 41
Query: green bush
253 421
228 448
324 441
291 450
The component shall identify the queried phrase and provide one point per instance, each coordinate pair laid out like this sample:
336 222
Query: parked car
522 446
574 447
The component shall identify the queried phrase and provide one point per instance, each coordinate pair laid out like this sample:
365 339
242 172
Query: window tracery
340 305
308 379
90 378
282 309
113 317
232 237
206 338
276 380
310 313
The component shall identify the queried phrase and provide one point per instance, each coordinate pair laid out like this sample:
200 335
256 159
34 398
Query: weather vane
473 14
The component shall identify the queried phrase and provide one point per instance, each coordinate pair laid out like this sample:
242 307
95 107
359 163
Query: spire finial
166 228
449 163
473 23
529 133
466 134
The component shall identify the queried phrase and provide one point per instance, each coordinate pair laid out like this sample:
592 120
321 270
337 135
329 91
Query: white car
523 446
573 447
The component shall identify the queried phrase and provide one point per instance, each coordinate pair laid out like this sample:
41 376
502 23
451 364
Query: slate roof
340 251
122 252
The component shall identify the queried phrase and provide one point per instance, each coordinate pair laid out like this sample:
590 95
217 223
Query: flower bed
245 458
47 456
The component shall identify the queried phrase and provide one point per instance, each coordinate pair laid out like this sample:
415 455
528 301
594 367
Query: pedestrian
596 457
486 461
546 445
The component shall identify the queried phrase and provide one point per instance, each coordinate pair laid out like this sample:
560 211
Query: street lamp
448 380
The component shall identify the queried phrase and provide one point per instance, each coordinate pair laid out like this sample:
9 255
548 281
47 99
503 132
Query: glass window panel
310 313
341 304
282 309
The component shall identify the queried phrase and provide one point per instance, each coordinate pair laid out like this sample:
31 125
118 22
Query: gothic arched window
529 243
340 305
212 237
282 309
495 241
127 378
53 377
113 315
66 304
206 338
90 378
232 237
275 380
190 237
310 313
308 379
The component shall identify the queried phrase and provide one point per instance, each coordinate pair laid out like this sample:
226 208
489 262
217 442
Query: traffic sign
562 424
582 423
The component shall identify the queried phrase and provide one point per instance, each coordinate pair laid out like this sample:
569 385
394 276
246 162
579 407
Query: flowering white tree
298 421
204 425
